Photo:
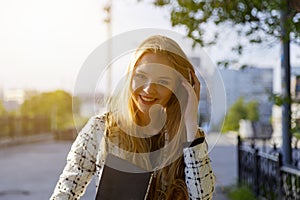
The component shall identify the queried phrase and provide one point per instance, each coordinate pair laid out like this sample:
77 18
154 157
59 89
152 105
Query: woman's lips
147 100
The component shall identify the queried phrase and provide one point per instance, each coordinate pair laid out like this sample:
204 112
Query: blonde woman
151 121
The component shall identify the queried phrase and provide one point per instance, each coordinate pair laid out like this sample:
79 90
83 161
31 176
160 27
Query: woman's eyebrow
165 77
161 77
140 71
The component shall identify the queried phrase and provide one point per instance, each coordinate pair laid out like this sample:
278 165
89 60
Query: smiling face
152 83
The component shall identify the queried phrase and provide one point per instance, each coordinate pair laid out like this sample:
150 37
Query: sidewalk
21 140
30 171
223 153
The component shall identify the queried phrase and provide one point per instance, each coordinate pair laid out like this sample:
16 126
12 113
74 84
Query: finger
191 91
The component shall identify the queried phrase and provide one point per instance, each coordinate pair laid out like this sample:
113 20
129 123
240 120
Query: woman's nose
149 88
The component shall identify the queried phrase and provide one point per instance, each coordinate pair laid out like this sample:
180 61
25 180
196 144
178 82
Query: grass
240 192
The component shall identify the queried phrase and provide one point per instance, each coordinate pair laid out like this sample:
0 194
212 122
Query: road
30 171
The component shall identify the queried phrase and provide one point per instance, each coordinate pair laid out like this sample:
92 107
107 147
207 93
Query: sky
45 43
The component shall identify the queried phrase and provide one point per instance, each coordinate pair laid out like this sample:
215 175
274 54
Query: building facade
252 84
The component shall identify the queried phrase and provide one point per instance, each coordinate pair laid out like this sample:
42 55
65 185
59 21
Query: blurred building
253 84
1 94
295 83
295 95
205 102
295 108
13 98
90 104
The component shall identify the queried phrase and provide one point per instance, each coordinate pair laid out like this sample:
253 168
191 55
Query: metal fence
19 126
262 170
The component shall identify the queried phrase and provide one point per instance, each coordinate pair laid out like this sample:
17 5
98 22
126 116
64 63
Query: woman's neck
143 119
151 122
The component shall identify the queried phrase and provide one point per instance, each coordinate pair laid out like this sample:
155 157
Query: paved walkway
223 153
30 171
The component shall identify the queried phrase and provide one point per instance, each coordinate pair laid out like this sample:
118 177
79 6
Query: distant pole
107 8
286 87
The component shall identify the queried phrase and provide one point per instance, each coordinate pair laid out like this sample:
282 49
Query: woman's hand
191 111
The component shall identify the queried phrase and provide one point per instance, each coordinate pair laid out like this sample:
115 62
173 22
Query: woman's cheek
135 84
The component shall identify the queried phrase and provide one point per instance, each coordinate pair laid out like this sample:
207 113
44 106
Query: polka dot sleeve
199 176
81 163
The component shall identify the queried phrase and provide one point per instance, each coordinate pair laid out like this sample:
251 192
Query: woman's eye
140 76
163 82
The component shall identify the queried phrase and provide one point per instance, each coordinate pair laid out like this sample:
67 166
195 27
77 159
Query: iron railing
262 170
19 126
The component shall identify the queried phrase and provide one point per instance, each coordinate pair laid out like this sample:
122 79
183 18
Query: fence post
256 172
11 126
25 125
239 158
280 181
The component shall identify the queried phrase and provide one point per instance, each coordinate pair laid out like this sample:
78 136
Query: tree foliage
56 105
2 109
252 111
255 19
240 110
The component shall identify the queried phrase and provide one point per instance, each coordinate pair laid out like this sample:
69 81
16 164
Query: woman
151 121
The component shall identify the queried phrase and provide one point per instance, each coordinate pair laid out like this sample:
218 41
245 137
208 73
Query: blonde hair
170 181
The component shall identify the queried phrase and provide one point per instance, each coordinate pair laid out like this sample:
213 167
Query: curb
8 142
220 194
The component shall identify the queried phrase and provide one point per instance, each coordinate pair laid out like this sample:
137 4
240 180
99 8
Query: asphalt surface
30 171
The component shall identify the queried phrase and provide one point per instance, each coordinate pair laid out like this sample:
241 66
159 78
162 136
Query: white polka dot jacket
87 156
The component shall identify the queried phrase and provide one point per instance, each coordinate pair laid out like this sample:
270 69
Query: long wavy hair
166 146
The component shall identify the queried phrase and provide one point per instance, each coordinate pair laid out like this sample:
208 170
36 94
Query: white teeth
147 99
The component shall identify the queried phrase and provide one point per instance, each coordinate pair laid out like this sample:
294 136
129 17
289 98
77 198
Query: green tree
2 109
56 105
257 20
240 110
252 111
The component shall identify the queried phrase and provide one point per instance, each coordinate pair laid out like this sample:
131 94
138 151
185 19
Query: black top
122 180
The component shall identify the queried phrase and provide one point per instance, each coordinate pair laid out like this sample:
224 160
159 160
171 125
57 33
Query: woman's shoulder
98 120
200 133
100 117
